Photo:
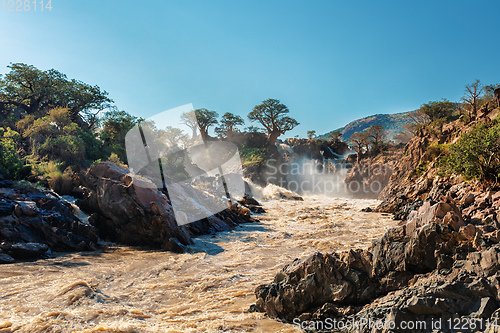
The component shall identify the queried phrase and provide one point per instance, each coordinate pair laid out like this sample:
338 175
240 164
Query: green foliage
115 126
437 110
11 165
476 155
35 91
421 168
272 115
55 137
205 119
113 158
228 124
334 136
311 134
253 156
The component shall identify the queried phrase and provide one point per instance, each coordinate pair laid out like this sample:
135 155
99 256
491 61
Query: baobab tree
228 124
360 141
206 119
201 119
377 135
311 134
472 93
189 119
272 115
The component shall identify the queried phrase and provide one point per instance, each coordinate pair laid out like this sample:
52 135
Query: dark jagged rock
417 271
252 204
34 221
142 215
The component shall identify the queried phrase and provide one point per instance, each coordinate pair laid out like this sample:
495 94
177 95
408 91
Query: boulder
34 221
27 208
133 211
434 212
435 271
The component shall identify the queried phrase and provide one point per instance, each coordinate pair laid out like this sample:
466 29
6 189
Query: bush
476 155
65 148
253 156
11 165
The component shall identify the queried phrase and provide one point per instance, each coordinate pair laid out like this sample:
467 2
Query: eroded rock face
416 271
141 215
34 222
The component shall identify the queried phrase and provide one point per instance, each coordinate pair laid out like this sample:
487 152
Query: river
123 289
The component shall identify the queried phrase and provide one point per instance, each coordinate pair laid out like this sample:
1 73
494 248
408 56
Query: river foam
210 289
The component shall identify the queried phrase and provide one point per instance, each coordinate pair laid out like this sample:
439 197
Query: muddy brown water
210 289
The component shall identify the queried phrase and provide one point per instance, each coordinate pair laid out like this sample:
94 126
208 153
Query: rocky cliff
439 266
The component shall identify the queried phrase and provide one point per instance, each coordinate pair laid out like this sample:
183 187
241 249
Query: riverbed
209 289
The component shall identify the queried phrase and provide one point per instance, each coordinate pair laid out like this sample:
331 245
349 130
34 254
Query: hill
392 123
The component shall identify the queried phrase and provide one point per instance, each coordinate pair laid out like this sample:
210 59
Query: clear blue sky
330 61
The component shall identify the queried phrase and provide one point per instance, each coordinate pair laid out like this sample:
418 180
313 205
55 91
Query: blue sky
330 61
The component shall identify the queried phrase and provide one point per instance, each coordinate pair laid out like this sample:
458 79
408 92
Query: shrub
253 156
11 165
476 155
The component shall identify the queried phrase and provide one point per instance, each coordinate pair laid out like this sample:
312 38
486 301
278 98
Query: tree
334 136
472 93
36 91
205 119
272 115
56 138
189 119
377 135
311 134
228 124
492 92
115 126
10 162
437 110
254 129
476 154
360 140
417 120
175 137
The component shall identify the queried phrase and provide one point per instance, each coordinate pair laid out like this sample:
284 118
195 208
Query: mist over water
307 176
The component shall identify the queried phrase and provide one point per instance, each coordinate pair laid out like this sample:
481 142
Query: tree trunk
272 137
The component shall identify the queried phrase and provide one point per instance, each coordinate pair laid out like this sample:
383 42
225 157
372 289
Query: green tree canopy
437 110
115 126
228 124
205 119
34 91
272 114
476 154
334 136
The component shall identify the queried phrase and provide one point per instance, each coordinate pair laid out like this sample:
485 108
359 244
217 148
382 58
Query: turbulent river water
210 289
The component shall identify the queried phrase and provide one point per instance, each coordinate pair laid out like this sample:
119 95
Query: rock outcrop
416 176
34 222
438 266
141 215
370 176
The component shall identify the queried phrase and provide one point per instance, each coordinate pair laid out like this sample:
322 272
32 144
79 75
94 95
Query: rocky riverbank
36 222
436 266
440 264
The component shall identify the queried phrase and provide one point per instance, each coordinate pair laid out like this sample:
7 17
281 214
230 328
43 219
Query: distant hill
392 123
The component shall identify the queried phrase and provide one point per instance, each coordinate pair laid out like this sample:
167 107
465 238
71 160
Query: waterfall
77 211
